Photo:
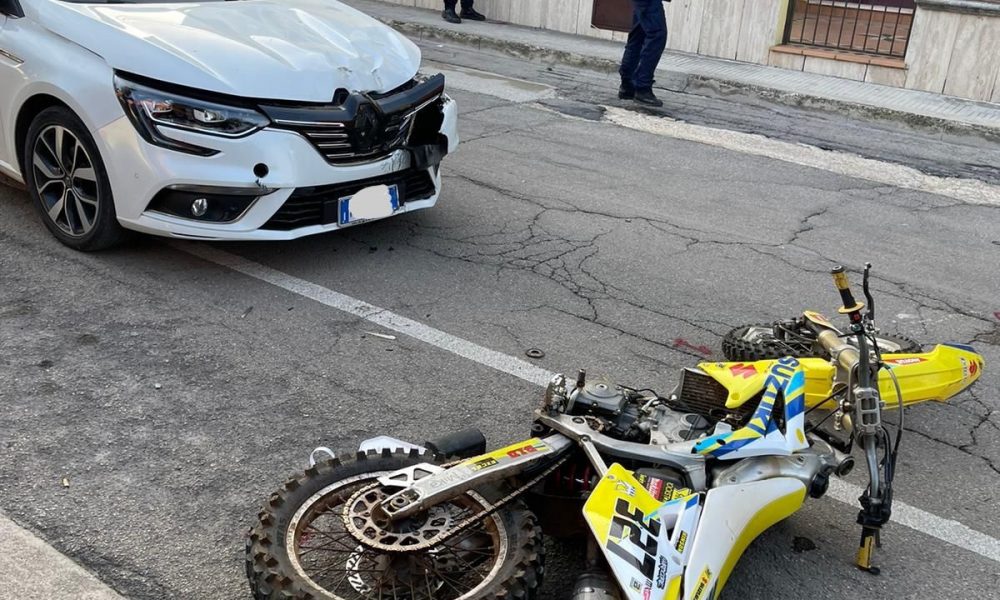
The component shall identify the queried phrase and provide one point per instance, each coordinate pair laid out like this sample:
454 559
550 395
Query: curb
516 49
697 84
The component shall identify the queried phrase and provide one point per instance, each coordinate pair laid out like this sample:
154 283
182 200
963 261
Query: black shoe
449 15
472 15
626 92
646 97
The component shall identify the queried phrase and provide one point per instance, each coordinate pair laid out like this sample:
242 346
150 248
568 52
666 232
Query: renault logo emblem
366 127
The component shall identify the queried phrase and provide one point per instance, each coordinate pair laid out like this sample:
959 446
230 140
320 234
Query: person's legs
630 58
470 13
448 14
654 24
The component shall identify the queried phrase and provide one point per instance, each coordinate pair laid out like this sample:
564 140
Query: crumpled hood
298 50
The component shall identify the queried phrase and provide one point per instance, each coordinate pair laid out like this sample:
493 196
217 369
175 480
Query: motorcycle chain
488 509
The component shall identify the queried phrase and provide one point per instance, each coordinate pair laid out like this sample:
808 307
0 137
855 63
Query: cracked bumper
138 171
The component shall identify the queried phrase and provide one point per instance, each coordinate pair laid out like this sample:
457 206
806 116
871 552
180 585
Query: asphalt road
173 394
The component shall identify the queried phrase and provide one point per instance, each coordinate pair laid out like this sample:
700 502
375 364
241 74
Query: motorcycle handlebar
845 354
846 296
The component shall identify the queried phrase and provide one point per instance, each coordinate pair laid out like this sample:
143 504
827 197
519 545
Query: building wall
734 29
951 51
955 53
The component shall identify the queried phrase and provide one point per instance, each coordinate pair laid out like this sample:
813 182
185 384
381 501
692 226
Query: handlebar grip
846 296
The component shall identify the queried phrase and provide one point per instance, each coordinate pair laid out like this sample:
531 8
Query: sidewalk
703 75
30 569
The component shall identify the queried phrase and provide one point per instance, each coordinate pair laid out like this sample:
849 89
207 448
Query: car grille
318 205
344 143
359 127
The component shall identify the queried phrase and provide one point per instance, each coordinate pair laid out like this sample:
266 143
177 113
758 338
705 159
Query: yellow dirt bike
669 490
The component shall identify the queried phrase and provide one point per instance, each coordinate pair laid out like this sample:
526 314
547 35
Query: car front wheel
66 178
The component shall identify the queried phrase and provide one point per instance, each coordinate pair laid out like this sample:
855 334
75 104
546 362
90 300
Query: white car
215 120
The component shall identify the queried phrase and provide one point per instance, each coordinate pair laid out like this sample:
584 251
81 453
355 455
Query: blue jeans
645 44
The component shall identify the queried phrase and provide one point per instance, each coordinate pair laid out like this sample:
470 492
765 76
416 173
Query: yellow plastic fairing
936 375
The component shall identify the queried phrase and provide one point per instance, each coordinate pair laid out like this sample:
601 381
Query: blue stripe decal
709 442
732 447
965 347
795 407
798 381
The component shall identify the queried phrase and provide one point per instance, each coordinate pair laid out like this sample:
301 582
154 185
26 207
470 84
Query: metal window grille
880 27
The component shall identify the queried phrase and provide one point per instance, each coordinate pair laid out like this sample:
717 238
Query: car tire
67 180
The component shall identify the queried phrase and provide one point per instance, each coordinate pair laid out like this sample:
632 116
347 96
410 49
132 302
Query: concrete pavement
704 75
30 569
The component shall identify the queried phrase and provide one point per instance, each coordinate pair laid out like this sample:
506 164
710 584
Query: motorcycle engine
628 415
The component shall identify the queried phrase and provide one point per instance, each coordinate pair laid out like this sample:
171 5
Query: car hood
296 50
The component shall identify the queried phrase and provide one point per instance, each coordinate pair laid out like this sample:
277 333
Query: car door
10 63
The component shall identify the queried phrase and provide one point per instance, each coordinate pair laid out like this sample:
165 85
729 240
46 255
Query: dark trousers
645 43
451 4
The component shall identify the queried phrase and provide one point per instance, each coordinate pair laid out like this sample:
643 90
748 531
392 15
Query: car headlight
155 112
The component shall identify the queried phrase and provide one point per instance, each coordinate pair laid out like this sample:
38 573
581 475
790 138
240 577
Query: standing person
645 45
467 12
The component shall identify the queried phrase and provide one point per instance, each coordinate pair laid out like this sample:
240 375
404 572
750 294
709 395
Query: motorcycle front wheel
301 549
772 341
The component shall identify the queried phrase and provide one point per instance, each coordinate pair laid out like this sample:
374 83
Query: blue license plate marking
369 204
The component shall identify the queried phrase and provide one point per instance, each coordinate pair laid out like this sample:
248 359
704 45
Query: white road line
30 568
951 532
390 320
947 530
842 163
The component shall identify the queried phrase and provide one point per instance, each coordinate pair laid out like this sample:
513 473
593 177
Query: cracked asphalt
174 395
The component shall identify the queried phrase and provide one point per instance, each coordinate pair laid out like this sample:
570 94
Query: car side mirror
11 8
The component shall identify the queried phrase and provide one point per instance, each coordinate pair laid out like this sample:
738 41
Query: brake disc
370 526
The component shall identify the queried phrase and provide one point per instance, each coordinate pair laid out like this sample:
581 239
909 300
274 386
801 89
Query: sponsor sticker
681 542
909 360
746 371
702 587
483 463
661 573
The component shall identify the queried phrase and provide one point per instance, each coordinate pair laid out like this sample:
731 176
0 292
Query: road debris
246 312
534 353
384 336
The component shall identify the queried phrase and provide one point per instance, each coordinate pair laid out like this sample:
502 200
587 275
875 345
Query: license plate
368 204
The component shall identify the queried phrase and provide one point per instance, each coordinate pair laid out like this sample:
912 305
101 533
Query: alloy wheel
66 180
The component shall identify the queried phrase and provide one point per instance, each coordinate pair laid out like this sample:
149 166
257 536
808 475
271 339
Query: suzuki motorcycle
668 490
